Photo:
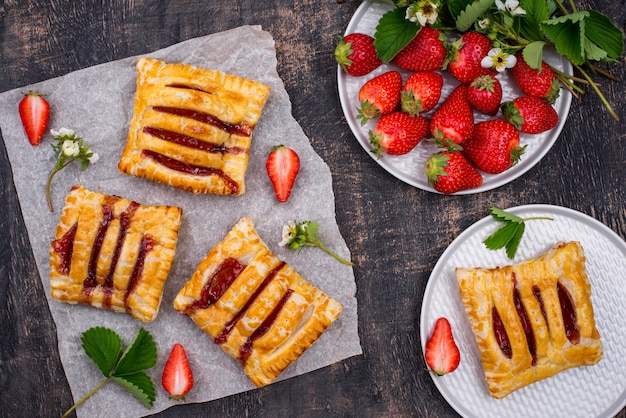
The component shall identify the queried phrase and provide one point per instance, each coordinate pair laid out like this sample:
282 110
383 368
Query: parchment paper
97 103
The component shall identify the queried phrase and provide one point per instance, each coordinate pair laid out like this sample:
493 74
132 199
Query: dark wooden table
395 232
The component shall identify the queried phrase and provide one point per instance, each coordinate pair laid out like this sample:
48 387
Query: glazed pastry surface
255 306
192 127
113 253
531 320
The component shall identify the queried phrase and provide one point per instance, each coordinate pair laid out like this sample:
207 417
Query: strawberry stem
341 260
84 398
58 167
594 86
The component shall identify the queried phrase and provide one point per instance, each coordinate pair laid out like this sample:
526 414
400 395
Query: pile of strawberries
408 111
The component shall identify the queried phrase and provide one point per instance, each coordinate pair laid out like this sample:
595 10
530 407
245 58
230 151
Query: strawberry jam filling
145 246
500 332
569 315
246 348
242 129
523 316
190 142
195 170
537 294
225 332
64 247
90 281
218 284
188 87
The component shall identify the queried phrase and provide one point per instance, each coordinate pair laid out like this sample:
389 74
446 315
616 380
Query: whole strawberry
449 172
494 147
34 112
453 121
398 133
465 55
485 94
379 96
530 114
421 92
356 55
426 52
539 83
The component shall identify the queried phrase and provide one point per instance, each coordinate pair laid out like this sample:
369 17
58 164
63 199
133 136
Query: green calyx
433 167
342 52
511 114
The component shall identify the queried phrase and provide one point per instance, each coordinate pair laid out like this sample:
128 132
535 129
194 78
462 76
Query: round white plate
410 167
593 391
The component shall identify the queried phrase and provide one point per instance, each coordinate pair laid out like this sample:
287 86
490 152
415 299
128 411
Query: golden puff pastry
531 320
192 127
113 253
255 306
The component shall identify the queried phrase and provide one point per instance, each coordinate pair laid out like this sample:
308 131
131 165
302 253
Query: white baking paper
97 103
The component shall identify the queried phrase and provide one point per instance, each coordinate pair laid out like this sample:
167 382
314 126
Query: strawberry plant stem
597 90
84 398
56 169
341 260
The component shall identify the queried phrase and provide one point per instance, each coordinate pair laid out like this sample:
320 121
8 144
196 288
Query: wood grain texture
395 232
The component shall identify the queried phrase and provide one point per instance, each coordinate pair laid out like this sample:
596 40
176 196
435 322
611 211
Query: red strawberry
453 121
494 147
449 172
177 378
356 54
530 114
379 96
540 83
421 92
465 56
398 133
426 52
441 353
34 112
282 167
485 94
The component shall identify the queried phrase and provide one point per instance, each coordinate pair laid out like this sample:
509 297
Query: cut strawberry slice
282 167
442 354
34 112
177 378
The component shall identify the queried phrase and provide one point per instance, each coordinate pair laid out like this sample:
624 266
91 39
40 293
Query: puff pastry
531 320
191 127
113 253
255 306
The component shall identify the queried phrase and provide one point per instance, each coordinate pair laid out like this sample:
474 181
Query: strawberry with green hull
177 378
449 172
34 112
465 56
485 94
426 52
379 96
442 354
398 133
494 147
453 121
421 92
530 114
356 55
541 83
282 165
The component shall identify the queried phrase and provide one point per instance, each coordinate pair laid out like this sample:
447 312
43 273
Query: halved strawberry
34 112
177 378
282 167
442 355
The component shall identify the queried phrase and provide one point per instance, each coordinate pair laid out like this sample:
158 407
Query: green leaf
103 346
511 246
567 32
601 31
140 355
533 54
471 13
536 12
455 7
140 385
393 33
502 236
503 216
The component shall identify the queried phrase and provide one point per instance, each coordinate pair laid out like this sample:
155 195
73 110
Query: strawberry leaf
466 18
140 385
567 32
140 355
533 54
393 33
502 236
513 243
504 216
603 34
536 12
103 346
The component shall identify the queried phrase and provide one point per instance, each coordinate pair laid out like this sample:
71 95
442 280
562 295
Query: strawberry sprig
297 235
510 234
127 368
67 149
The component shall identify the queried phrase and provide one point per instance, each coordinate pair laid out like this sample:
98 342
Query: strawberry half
442 355
34 112
177 378
282 167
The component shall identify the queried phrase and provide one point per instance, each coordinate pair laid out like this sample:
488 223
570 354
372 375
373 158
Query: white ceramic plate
595 391
410 167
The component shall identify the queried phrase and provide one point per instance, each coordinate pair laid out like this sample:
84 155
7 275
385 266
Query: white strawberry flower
63 132
484 23
498 59
289 233
512 6
424 12
93 158
70 148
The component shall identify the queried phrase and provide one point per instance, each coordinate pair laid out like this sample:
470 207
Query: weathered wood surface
395 232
